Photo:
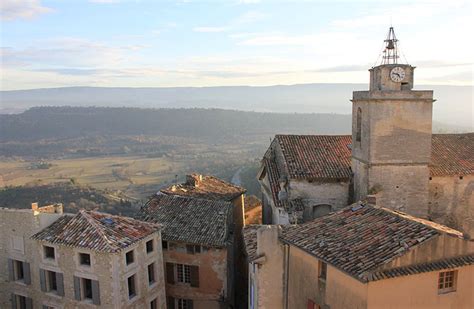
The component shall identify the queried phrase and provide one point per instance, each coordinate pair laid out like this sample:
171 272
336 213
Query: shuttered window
151 273
86 289
131 287
21 302
19 271
52 282
183 273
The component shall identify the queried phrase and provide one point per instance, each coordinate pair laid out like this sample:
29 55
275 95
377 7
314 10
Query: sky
233 42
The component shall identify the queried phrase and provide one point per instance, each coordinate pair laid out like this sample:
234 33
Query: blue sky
216 43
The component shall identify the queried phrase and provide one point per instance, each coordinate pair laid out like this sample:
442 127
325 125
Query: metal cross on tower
390 53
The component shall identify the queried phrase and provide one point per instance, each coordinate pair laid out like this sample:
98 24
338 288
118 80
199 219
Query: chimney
194 179
34 206
371 199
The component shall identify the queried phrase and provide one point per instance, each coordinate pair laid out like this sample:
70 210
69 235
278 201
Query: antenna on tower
390 53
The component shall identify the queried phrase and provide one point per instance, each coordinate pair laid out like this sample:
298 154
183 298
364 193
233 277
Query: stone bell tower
391 136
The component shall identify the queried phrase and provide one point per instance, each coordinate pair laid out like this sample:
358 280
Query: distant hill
453 106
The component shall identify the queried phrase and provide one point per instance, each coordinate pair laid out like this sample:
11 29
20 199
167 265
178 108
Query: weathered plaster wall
452 202
421 291
270 271
441 247
303 282
315 193
343 291
212 275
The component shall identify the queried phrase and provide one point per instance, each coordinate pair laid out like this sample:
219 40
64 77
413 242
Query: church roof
452 154
359 239
190 220
96 231
329 156
206 187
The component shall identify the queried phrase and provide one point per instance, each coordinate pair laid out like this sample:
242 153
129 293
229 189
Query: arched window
321 210
359 125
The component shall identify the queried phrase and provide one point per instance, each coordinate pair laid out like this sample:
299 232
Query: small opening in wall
460 177
431 178
397 187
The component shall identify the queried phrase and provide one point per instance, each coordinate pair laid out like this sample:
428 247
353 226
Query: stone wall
452 202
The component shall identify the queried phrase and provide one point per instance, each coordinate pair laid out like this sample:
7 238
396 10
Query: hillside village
382 218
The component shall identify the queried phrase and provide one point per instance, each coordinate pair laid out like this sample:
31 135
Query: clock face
397 74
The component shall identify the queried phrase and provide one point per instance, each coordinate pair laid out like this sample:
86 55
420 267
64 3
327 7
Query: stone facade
451 202
67 281
391 133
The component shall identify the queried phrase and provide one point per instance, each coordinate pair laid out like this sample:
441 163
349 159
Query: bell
390 44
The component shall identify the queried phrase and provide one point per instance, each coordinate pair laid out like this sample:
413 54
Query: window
129 257
131 287
447 281
184 303
192 249
183 273
16 270
87 288
49 252
154 304
359 125
151 273
85 259
164 244
21 302
323 268
51 281
149 246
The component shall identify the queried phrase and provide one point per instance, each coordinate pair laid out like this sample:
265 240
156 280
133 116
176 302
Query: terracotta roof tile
360 238
250 240
452 154
191 220
96 231
206 187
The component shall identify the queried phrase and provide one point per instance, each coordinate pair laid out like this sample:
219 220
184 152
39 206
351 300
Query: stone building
391 155
361 256
198 244
87 260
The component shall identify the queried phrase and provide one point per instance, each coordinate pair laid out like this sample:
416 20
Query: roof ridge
98 227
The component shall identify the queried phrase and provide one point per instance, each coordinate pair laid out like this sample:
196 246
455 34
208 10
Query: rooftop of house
252 202
359 239
206 187
329 156
190 220
96 231
250 240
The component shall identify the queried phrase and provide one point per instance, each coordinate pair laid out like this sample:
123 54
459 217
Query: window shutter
43 280
28 303
194 276
13 299
189 304
95 292
170 301
11 271
170 273
60 283
26 273
77 288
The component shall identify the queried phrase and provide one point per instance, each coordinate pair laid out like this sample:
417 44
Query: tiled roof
452 154
250 240
360 238
423 267
252 202
206 187
329 156
96 231
190 220
316 156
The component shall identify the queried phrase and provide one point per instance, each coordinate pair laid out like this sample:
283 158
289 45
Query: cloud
68 52
104 1
345 68
14 9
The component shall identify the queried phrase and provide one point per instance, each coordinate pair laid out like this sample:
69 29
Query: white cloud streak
25 9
